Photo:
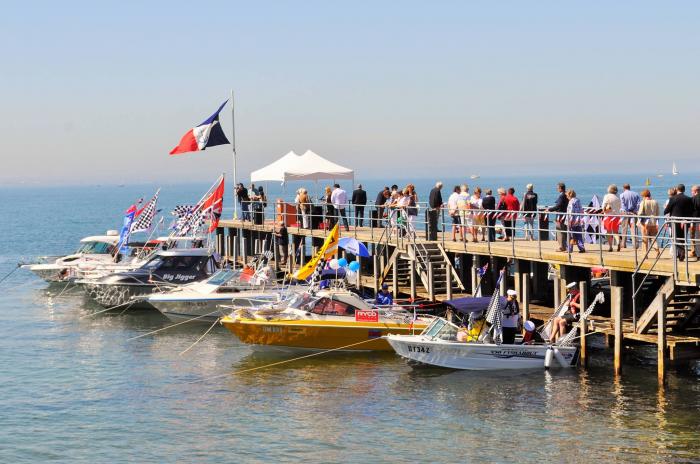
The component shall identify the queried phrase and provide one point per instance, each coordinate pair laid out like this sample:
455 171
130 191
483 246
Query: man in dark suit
379 205
359 200
560 220
435 203
680 206
489 203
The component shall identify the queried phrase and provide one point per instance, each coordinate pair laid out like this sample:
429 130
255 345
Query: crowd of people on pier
479 215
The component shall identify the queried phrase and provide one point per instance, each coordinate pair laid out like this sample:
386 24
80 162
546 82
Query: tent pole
233 146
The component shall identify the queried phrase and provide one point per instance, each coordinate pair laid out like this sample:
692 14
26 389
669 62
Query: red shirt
511 203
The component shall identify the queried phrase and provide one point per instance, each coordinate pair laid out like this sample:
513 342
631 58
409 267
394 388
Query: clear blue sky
101 91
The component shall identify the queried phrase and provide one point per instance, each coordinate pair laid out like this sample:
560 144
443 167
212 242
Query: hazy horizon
100 93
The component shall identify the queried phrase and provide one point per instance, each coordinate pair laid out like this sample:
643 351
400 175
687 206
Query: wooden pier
650 299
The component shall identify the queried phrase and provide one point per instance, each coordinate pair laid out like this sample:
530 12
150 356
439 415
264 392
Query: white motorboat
438 345
201 301
445 344
94 251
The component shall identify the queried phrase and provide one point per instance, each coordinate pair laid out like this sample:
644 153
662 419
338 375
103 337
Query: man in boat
561 324
511 317
384 297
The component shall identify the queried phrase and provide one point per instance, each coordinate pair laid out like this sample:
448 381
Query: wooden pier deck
625 260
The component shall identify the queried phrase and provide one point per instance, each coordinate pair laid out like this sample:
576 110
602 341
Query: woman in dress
477 215
648 212
328 208
611 209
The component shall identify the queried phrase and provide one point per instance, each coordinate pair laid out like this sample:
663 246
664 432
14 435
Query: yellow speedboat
323 320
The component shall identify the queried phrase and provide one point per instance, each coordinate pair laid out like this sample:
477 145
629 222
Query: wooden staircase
424 256
682 304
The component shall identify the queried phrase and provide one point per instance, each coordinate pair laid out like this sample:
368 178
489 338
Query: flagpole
233 146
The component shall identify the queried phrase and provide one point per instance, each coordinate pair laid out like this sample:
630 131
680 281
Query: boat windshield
303 301
223 276
331 307
442 329
176 263
96 248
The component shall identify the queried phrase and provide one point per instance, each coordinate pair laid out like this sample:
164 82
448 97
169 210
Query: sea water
74 388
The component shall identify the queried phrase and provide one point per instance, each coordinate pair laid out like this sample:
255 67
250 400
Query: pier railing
598 232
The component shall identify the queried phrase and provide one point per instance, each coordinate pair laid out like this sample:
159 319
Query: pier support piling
583 289
661 343
616 314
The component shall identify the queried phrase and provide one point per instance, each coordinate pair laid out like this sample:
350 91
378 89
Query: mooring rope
200 338
107 309
173 325
10 273
281 362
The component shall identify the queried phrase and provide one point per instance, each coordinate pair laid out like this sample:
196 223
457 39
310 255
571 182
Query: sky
100 92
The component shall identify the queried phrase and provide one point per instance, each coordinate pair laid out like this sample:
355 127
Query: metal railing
592 227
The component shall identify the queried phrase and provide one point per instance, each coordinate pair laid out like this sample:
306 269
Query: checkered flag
495 312
316 276
189 219
144 222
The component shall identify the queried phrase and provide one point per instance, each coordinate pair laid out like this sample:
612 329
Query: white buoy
560 358
548 358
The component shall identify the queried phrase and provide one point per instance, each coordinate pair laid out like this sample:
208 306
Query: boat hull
317 335
478 356
204 309
118 296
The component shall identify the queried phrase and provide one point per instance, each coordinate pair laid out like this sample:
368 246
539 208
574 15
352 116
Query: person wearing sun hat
511 317
561 324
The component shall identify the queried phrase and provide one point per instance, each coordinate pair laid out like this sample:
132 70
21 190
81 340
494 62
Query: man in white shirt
339 198
454 214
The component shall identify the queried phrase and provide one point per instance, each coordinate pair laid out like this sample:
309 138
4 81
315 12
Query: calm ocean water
74 389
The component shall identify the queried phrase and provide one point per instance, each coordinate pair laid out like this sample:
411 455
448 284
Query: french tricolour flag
208 134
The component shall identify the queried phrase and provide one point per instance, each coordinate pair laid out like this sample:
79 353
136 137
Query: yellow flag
329 248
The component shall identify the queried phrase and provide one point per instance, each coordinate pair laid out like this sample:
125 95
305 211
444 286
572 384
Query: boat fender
548 358
560 358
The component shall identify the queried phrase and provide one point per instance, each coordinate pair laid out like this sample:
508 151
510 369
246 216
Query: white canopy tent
308 166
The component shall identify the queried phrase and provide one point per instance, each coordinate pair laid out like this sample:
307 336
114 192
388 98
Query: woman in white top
463 208
611 209
477 215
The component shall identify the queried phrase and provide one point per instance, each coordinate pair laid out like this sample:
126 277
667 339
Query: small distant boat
674 169
648 182
659 176
474 176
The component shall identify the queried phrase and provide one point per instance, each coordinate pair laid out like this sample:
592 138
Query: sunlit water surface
74 388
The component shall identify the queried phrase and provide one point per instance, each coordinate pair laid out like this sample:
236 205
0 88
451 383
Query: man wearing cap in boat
384 297
511 317
560 324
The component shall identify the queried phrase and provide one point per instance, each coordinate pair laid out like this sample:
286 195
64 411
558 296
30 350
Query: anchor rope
171 326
